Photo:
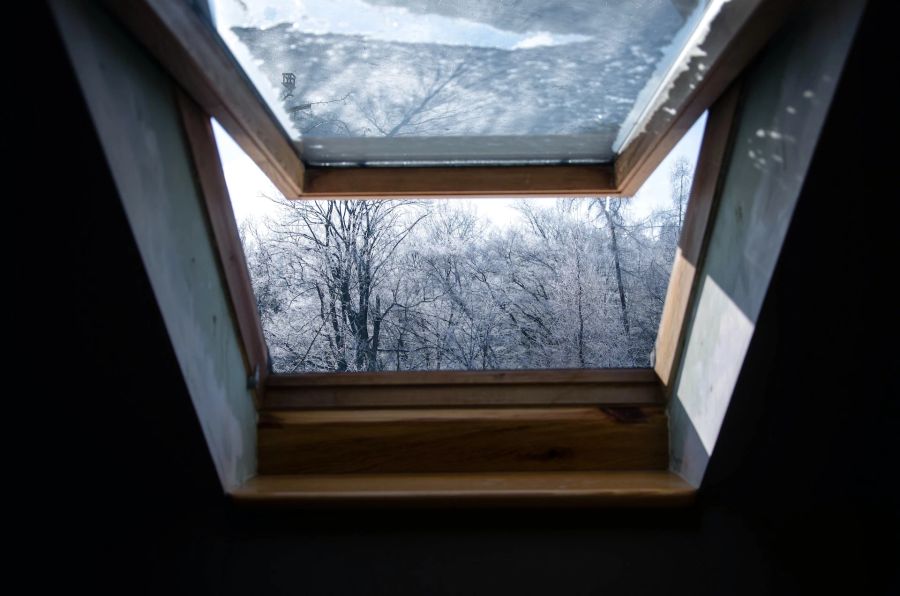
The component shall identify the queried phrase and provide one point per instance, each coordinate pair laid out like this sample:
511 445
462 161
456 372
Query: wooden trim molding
462 388
707 185
414 440
211 180
377 182
189 49
647 488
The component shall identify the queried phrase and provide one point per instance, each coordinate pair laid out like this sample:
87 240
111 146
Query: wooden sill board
565 489
463 440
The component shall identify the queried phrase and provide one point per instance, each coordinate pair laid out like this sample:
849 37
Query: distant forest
427 285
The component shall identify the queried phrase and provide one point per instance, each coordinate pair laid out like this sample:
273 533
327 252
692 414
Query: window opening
460 284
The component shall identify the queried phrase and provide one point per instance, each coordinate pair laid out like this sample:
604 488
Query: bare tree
340 254
681 178
610 208
409 285
422 111
433 104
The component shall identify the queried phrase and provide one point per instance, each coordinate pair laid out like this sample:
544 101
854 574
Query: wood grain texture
214 191
345 183
737 34
707 184
554 489
281 398
580 376
189 49
463 440
462 388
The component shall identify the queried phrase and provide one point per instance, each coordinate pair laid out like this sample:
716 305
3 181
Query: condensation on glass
438 82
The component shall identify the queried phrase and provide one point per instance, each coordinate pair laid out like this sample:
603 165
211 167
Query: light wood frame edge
226 240
709 175
515 489
480 181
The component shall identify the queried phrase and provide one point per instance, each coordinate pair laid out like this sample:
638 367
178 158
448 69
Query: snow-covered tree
427 285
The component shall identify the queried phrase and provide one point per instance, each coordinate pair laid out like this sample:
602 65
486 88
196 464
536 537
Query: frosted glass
418 82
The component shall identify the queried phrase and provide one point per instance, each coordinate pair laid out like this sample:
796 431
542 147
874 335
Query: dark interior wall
798 494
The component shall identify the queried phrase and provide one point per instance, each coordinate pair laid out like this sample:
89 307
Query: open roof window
570 433
414 98
461 284
464 82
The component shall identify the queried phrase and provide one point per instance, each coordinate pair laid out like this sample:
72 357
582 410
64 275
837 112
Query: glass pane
461 284
414 82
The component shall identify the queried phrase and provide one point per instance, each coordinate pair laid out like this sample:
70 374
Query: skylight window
461 284
460 82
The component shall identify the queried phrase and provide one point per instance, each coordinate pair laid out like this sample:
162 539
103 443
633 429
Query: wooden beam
468 377
460 388
555 489
189 49
735 36
211 179
707 185
346 183
415 440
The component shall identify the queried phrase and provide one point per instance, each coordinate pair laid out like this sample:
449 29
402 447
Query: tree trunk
614 244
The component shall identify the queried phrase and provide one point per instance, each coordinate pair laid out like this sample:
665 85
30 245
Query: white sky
249 187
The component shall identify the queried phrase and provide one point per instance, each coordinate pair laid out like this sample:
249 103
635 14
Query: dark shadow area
129 480
799 494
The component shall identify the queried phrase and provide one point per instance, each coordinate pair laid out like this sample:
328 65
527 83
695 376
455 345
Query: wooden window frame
486 431
323 436
528 407
533 437
183 41
482 388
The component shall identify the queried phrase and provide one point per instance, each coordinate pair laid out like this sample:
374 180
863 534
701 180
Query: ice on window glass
370 81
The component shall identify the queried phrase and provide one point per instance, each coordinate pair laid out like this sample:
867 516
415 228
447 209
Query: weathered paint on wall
786 98
133 106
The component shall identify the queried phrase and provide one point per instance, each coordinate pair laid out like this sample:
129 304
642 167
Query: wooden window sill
657 488
458 439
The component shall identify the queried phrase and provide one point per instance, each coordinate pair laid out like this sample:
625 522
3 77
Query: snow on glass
461 284
408 81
